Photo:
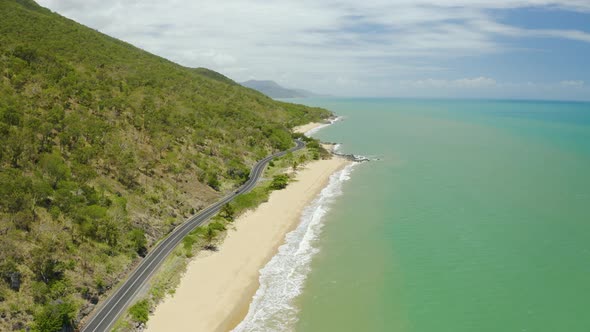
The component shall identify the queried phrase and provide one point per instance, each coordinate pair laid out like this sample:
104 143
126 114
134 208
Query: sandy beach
307 127
216 290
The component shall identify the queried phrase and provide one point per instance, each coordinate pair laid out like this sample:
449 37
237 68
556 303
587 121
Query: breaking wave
282 279
318 128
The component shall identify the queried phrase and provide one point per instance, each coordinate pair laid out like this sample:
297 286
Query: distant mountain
274 90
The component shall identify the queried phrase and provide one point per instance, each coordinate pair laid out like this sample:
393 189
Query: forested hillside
104 148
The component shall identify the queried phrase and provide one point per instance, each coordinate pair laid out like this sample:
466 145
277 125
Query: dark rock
352 157
15 281
18 326
85 311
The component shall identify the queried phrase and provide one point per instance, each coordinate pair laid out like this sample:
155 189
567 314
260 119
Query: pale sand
331 147
216 290
307 127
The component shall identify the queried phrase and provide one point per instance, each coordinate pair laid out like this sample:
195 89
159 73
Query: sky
529 49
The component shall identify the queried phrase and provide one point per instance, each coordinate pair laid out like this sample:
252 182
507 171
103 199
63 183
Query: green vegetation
209 236
228 212
55 316
140 311
202 237
261 193
279 182
316 150
104 148
252 199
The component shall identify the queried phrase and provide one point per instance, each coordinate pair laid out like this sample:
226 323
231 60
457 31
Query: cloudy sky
400 48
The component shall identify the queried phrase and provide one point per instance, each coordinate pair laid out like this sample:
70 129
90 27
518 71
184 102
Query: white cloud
502 29
572 83
307 43
477 82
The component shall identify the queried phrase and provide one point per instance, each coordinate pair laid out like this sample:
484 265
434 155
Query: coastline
215 292
304 129
313 127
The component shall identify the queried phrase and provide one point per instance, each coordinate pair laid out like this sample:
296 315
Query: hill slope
104 148
274 90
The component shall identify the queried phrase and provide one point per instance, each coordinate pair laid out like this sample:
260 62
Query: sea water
282 279
475 217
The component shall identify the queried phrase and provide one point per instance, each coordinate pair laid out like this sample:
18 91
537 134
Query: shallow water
282 279
476 218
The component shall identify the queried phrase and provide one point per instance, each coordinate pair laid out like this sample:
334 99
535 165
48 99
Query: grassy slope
103 149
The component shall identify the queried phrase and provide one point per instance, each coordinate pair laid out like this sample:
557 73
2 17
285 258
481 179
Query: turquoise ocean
474 216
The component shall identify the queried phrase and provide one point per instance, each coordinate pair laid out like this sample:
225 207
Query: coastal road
107 314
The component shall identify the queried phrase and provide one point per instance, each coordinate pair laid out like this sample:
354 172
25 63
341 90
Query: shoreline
304 129
215 292
217 288
313 127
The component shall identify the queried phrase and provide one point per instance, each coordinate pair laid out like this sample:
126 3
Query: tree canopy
104 148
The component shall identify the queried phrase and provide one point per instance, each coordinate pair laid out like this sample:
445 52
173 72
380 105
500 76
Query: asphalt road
107 314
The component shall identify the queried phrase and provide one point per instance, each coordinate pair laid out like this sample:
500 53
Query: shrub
55 316
252 199
279 182
227 212
138 241
213 181
188 242
217 226
140 311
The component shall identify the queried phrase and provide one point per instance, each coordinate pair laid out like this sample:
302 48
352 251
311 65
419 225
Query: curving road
107 314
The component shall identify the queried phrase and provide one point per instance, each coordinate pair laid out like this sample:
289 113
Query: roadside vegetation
105 148
276 177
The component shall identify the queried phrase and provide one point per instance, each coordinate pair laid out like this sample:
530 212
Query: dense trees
103 149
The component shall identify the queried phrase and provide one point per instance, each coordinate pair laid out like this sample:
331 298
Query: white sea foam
318 128
282 279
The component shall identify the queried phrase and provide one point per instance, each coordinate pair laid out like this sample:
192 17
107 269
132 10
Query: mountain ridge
104 148
274 90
